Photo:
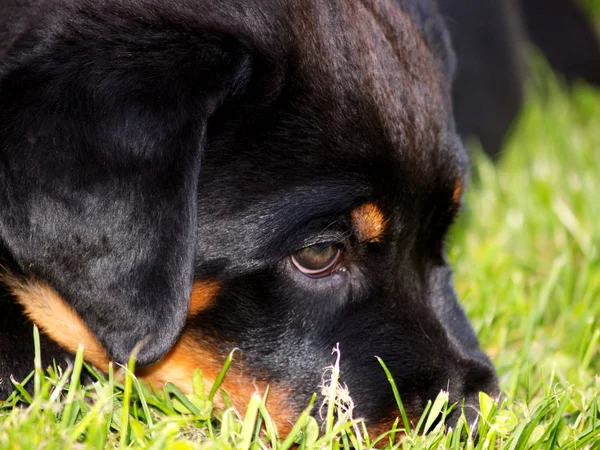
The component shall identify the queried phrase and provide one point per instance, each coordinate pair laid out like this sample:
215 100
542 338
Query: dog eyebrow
308 204
270 224
369 222
457 192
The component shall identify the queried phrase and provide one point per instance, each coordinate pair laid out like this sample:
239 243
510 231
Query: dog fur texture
164 165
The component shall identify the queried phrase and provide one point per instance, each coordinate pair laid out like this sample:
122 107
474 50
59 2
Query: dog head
290 167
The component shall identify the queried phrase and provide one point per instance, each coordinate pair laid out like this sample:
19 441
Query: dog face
276 177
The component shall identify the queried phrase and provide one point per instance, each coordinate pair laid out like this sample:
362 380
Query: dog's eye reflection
318 260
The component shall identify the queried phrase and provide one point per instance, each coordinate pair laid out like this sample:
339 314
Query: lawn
526 253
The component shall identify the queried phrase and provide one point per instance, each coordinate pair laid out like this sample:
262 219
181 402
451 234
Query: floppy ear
102 128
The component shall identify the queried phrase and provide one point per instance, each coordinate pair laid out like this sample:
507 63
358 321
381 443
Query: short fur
153 152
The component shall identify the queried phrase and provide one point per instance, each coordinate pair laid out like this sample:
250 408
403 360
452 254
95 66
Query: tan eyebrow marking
369 222
457 193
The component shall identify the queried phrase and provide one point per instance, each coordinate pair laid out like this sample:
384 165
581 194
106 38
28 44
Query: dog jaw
45 307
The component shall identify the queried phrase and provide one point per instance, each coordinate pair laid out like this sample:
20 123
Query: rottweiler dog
189 177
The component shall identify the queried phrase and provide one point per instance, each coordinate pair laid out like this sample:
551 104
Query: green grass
526 253
593 7
527 264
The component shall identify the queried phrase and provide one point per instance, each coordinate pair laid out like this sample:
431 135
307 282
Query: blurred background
526 249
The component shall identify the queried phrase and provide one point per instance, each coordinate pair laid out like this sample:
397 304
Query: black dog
198 176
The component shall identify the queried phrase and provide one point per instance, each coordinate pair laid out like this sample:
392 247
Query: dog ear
101 138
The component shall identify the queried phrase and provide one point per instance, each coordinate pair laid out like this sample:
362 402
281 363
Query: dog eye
318 260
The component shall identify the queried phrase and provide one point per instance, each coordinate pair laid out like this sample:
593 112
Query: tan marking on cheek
457 193
369 222
189 354
203 296
384 426
48 310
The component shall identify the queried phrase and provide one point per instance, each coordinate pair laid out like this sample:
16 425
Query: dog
185 178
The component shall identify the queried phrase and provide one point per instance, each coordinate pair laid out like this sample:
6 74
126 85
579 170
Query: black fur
145 144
